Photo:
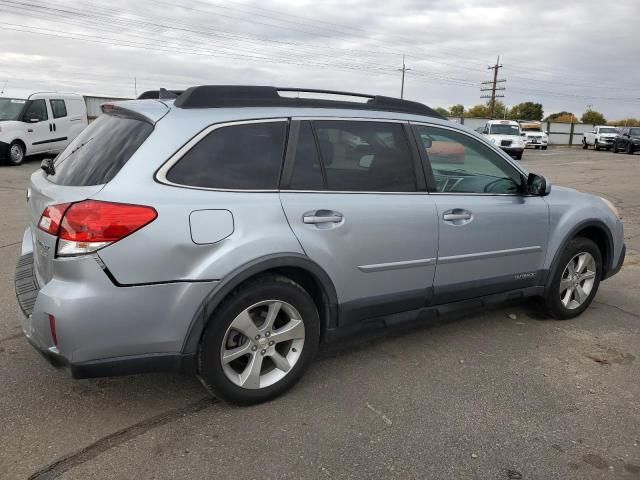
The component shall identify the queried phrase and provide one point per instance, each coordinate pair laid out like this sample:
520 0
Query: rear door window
100 151
58 108
365 156
238 157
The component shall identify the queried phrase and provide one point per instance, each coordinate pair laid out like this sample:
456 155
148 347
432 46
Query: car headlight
612 207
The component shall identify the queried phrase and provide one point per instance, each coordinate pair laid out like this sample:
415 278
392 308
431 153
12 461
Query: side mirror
523 134
538 185
427 142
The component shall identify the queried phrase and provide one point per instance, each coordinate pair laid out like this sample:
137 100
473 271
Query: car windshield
504 130
634 132
608 130
10 108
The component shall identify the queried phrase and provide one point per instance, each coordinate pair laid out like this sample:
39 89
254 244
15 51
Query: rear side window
239 157
307 171
58 108
366 156
100 151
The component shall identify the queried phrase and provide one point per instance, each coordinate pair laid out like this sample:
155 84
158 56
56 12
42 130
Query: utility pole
403 70
135 86
493 88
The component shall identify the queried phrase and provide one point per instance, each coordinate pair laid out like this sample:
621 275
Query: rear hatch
80 172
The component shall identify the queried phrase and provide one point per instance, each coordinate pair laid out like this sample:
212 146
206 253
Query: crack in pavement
635 315
11 337
115 439
10 244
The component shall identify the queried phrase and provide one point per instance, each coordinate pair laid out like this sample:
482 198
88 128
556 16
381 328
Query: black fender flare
606 260
251 269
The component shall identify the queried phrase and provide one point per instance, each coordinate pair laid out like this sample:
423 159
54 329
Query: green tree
456 110
562 117
443 111
526 111
482 110
593 118
477 111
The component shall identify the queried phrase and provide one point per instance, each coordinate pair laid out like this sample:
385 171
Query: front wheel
629 149
596 146
259 342
584 144
614 147
576 280
544 147
16 153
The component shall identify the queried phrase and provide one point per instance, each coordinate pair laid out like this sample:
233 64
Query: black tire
596 147
518 156
552 301
271 287
14 158
614 147
584 144
629 149
544 147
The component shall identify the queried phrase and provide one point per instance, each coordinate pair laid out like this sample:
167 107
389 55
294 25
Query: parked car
507 135
228 232
38 122
628 140
601 136
535 136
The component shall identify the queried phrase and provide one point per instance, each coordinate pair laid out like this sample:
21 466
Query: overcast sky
564 54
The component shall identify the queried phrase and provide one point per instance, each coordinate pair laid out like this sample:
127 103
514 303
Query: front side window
462 164
634 132
240 157
58 108
365 156
36 111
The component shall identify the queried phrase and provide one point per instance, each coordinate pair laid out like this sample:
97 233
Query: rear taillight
52 217
87 226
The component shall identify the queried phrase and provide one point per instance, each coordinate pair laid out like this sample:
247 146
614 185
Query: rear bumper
103 329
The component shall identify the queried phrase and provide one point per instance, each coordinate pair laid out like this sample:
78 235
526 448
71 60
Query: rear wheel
259 342
584 144
16 153
596 146
614 147
544 147
576 280
629 149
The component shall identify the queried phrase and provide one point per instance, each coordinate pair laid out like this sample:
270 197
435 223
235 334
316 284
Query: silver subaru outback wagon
229 230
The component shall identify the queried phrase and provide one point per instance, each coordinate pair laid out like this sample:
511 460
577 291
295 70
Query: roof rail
220 96
162 93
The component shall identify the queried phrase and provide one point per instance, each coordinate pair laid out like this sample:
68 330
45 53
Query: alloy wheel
577 280
262 344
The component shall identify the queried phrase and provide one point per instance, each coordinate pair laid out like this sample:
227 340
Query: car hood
608 135
498 138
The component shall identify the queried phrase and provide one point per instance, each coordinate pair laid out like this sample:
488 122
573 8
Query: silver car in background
230 230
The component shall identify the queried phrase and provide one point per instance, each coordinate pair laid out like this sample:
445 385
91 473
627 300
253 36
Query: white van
507 135
38 122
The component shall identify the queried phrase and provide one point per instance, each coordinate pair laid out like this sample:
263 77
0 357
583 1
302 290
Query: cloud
566 56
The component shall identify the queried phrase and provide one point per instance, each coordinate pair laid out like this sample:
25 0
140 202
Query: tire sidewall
209 363
552 297
10 159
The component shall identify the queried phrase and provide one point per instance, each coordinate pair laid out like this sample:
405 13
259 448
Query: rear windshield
100 151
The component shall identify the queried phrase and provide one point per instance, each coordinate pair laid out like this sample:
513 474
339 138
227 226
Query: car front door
39 130
493 237
355 196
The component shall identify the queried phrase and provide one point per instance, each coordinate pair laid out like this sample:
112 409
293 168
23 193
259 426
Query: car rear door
60 122
354 194
492 237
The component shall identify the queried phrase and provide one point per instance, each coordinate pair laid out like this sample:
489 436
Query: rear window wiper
47 166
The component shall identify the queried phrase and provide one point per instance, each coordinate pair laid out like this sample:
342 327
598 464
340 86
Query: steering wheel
491 186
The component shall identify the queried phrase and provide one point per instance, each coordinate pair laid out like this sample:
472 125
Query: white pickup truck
600 137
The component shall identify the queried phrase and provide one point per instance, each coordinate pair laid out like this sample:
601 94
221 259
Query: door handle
457 216
54 127
322 216
50 128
